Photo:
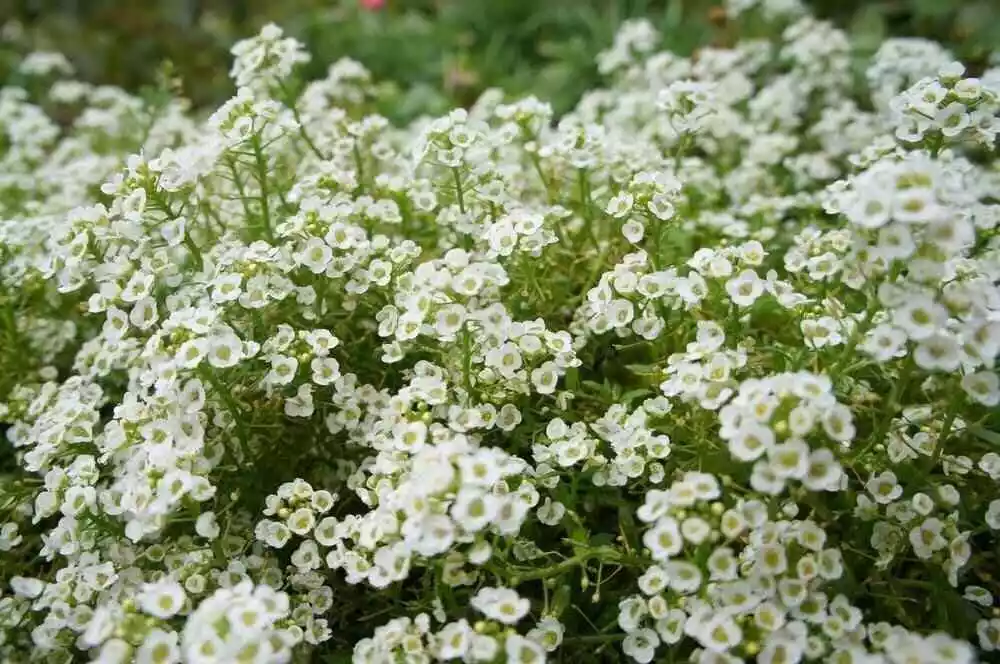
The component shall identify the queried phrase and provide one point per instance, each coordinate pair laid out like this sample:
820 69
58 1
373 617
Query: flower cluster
488 641
703 370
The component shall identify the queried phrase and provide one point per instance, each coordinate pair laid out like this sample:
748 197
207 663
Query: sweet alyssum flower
703 369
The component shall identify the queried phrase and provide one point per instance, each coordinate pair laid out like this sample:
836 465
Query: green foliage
437 54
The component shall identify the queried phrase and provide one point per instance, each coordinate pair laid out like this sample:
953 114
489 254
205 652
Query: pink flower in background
372 5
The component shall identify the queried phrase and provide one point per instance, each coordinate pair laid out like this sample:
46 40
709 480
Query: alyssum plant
700 372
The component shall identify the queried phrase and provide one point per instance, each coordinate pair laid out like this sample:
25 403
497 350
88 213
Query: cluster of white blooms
267 59
917 219
770 421
899 63
741 581
947 107
634 450
632 299
235 624
703 370
487 641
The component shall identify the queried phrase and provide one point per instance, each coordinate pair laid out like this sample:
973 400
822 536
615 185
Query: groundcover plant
702 371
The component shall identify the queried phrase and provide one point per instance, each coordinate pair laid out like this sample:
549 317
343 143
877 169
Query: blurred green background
437 53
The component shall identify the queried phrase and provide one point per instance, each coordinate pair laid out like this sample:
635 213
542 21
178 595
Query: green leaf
634 394
572 379
932 9
985 434
560 601
602 539
868 28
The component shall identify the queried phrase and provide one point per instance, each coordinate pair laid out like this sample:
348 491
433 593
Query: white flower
683 577
993 514
548 633
938 352
159 647
27 587
778 650
919 317
545 378
502 237
661 207
928 538
191 353
315 255
162 599
952 119
322 501
789 459
633 231
631 611
409 436
508 417
206 526
325 370
283 370
990 464
664 539
300 405
500 604
143 314
989 634
745 288
620 205
838 423
670 628
695 530
979 595
641 645
306 557
751 441
922 503
507 359
884 342
719 634
301 521
225 351
450 320
227 287
551 513
473 510
983 387
454 639
521 650
884 488
771 560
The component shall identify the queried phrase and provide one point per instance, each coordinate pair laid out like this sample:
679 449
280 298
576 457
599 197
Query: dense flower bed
701 371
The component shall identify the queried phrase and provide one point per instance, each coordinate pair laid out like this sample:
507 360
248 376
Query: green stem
949 421
859 331
290 103
593 638
239 188
892 406
584 192
467 363
604 555
359 166
536 162
231 405
655 230
261 165
458 189
193 248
